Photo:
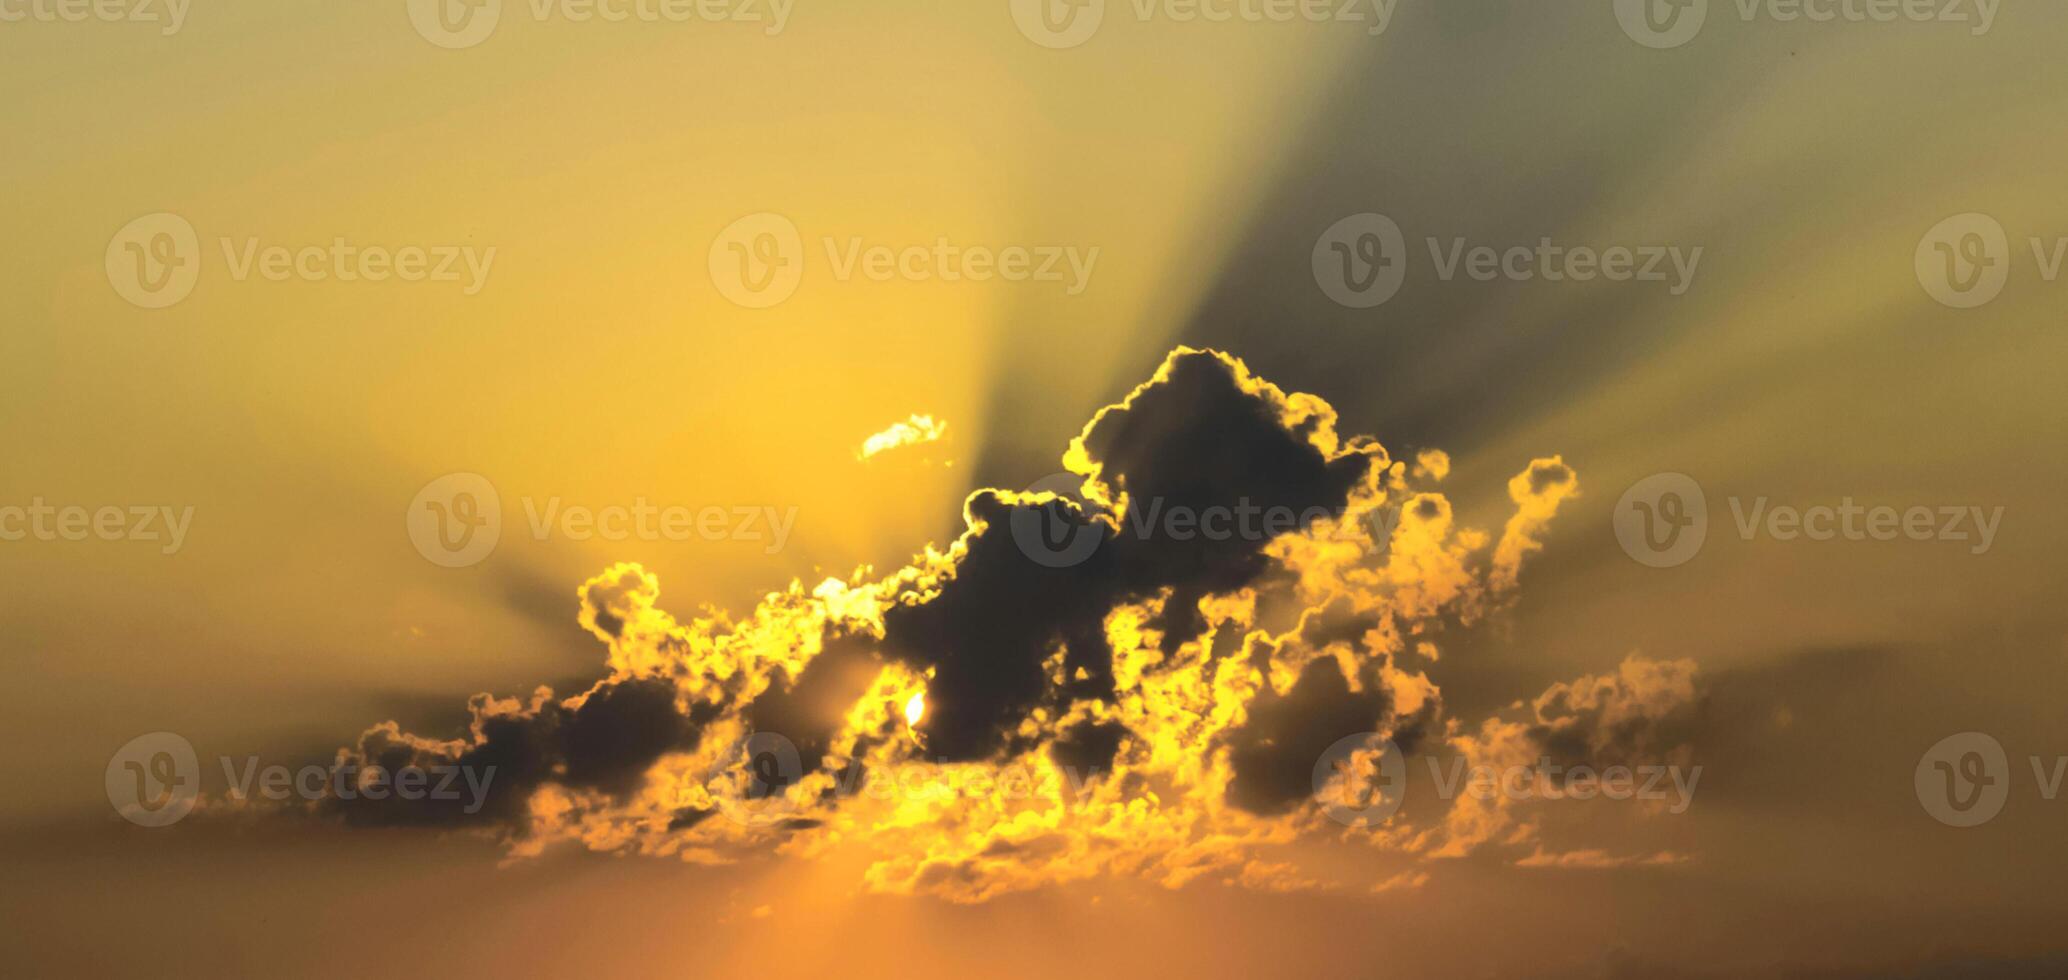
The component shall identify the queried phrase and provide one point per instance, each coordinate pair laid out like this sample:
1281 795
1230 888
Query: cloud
1641 714
1596 860
913 431
602 740
1537 493
1203 438
1255 587
1634 714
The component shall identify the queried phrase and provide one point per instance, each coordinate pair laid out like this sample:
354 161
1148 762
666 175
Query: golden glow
915 709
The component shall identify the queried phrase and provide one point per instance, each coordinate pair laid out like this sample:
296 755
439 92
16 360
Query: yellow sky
599 365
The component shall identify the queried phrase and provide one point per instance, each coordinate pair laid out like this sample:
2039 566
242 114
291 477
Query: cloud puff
1634 714
913 431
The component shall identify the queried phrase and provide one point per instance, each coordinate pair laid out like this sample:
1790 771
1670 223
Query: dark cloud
1199 438
1339 621
810 709
989 629
510 751
614 737
1274 754
1545 474
1198 441
1088 747
1637 714
606 743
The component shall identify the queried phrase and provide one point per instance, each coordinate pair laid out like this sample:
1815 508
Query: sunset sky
772 353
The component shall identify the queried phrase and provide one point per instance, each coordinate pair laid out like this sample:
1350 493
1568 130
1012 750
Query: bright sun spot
915 708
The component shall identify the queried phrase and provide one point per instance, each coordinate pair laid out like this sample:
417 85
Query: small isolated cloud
1404 881
1599 860
913 431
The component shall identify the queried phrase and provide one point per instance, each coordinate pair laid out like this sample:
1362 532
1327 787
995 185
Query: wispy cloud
916 430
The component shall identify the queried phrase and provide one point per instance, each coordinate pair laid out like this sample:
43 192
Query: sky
635 407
